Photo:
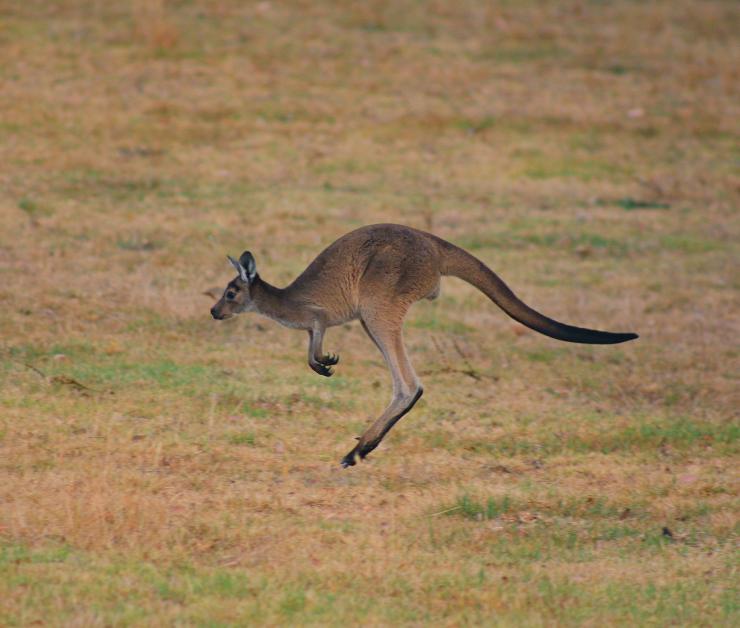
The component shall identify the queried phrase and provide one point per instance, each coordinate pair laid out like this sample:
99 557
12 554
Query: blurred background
585 150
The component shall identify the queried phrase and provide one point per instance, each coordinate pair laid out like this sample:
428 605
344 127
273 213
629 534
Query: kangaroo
375 274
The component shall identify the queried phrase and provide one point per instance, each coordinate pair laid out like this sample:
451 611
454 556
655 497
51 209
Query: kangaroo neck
279 305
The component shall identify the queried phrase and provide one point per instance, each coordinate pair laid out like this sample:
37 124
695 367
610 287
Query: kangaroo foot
349 459
362 450
372 437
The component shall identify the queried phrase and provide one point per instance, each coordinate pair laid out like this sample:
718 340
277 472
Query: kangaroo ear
247 262
239 268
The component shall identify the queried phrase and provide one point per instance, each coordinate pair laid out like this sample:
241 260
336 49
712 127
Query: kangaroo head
237 298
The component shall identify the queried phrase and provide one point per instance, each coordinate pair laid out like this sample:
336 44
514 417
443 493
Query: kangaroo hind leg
406 387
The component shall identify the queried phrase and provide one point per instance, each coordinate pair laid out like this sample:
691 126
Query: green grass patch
475 125
160 469
689 243
642 435
545 356
538 166
522 53
680 432
470 508
161 373
558 237
628 203
255 411
90 366
33 208
21 554
241 438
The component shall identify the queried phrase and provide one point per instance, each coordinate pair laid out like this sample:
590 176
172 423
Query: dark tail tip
617 338
590 336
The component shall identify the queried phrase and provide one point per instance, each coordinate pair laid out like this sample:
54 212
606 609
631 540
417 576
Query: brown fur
375 274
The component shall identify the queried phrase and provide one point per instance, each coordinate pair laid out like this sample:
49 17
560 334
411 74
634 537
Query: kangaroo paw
329 359
321 369
349 459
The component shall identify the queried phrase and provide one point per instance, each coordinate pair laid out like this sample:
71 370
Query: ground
158 467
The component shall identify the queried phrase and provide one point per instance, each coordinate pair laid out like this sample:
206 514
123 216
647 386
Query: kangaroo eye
230 295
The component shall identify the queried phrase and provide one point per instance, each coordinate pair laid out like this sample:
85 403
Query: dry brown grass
157 467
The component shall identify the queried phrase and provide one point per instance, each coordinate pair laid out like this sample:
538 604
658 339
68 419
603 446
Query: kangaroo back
460 263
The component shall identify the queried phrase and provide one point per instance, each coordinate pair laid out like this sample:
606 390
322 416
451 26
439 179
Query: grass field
158 467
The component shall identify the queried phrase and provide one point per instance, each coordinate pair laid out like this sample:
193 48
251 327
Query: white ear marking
239 268
247 262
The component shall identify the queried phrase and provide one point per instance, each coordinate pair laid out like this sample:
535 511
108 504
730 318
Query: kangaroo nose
214 313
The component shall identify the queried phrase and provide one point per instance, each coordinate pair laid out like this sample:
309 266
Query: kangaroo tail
460 263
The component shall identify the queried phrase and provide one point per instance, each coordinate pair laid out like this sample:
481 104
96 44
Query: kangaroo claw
329 359
321 369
